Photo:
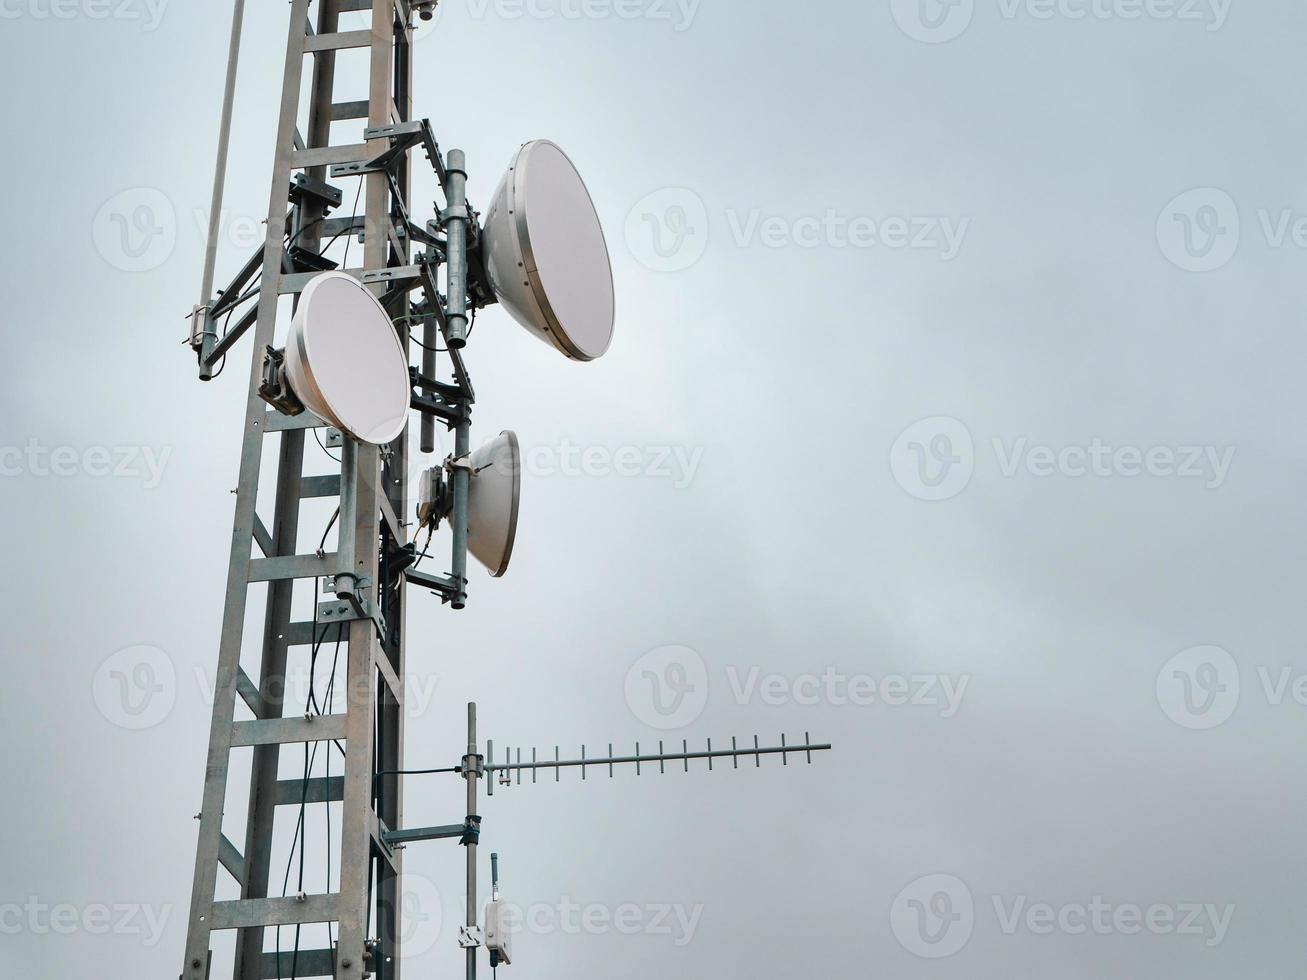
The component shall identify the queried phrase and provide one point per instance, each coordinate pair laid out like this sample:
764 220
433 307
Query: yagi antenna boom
505 770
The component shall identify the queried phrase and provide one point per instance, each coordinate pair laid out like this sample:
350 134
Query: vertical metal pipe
430 336
430 341
456 316
346 573
461 483
470 773
209 337
456 220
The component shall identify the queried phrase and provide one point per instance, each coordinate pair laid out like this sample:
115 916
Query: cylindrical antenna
494 876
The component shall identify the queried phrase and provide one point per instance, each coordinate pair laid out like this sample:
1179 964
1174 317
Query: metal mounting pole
460 481
471 772
456 222
209 337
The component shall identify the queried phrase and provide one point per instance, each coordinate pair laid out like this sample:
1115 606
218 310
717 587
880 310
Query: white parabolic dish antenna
345 362
492 502
546 256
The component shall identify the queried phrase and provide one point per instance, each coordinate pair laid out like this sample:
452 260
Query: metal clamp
457 212
470 937
471 831
349 608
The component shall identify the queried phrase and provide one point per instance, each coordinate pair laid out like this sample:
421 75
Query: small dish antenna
494 493
545 254
345 362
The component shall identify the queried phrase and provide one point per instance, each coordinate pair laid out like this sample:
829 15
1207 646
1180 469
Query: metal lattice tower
373 491
364 581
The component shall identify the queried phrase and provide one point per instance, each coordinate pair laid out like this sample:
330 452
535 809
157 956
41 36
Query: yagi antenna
496 935
512 768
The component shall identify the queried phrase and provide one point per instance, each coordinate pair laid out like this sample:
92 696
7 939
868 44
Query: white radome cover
546 256
345 362
494 492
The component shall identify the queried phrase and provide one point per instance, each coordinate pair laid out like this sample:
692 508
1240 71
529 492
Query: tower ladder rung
308 963
340 41
291 567
287 731
251 912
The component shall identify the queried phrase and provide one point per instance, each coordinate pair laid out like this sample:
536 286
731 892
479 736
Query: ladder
372 488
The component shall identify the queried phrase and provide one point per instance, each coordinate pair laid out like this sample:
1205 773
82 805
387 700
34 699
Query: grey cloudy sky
954 417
